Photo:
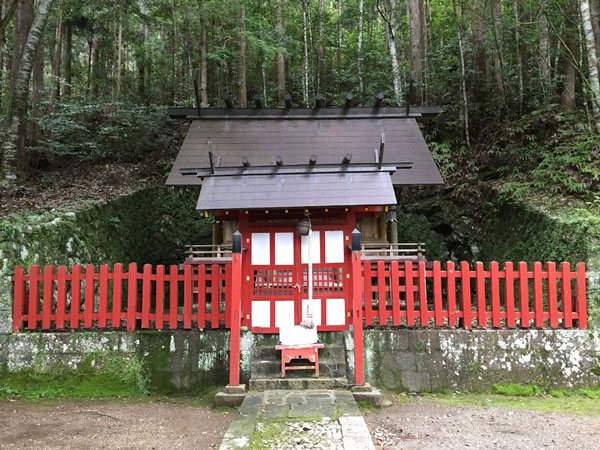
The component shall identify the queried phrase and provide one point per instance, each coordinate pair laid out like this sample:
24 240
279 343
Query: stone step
263 384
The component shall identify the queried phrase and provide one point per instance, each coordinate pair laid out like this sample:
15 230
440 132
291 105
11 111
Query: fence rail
410 294
199 296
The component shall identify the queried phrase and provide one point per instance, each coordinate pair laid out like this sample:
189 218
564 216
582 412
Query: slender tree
417 46
359 55
590 45
305 64
391 32
203 58
56 56
280 57
243 94
321 57
478 32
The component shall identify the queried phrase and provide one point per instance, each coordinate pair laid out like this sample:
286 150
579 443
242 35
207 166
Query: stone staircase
265 372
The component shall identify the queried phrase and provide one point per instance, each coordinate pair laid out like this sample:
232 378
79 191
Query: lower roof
296 191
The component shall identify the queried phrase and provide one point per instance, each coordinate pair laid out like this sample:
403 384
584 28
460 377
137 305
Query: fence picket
538 300
201 296
495 293
215 296
410 301
187 297
88 307
48 297
465 293
103 300
61 297
565 294
451 289
368 276
228 293
551 292
34 297
132 277
19 299
117 295
381 303
173 297
146 291
437 294
509 294
75 296
423 294
160 294
480 285
524 294
581 294
395 292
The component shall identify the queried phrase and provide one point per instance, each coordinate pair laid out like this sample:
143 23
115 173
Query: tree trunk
321 59
417 47
359 47
18 101
305 62
590 45
56 57
280 58
544 53
37 90
595 24
479 57
496 12
567 99
119 55
463 83
67 57
203 61
516 8
338 56
391 28
243 94
94 55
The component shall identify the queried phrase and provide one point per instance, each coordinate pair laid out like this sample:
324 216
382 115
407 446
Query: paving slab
284 419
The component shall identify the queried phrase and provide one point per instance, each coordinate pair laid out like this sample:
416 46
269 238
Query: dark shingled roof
296 191
261 140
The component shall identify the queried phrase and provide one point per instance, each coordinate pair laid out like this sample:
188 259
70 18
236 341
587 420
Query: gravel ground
110 424
424 425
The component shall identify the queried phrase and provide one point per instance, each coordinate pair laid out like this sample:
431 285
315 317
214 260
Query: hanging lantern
303 226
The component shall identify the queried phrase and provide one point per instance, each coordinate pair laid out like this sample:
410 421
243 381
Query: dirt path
105 424
425 425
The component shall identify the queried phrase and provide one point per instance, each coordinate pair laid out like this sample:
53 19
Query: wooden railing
208 252
85 298
387 251
411 294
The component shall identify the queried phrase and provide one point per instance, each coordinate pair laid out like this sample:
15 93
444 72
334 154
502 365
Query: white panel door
261 314
335 311
334 247
284 249
316 310
261 249
315 248
284 314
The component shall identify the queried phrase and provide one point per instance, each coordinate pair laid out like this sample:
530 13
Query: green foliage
516 390
104 131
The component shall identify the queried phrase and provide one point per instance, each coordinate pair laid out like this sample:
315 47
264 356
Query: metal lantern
303 226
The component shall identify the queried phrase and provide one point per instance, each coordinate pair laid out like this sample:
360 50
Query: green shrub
516 390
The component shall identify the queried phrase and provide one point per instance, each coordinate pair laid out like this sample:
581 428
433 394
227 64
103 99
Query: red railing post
103 299
19 301
146 290
524 294
495 293
173 299
75 296
538 295
160 293
465 293
61 297
509 294
437 294
581 294
132 277
357 313
34 297
236 305
88 301
451 285
48 298
551 290
117 295
565 294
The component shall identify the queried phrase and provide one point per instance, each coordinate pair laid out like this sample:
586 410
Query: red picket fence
405 293
85 298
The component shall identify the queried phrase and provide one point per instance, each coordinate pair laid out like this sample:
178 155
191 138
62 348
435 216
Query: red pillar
236 304
357 319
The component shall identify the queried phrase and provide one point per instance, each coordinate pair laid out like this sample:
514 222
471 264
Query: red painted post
495 293
117 295
438 308
451 285
34 297
395 292
146 290
565 294
48 298
160 293
410 299
187 297
368 274
551 290
228 296
538 299
19 300
524 294
581 294
357 320
173 297
509 294
103 300
381 303
88 305
201 296
132 277
235 317
423 294
465 293
61 297
481 308
75 296
216 296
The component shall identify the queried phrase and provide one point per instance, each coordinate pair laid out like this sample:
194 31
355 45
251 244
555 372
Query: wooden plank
201 296
160 296
495 293
381 300
75 296
438 308
216 296
61 297
132 289
103 300
565 294
19 299
423 294
117 295
187 297
146 292
173 297
410 299
395 292
88 305
34 297
48 298
538 295
451 287
524 294
551 294
465 293
480 286
368 275
509 294
581 296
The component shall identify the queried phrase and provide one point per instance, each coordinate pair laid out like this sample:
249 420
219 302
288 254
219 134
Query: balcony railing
393 252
